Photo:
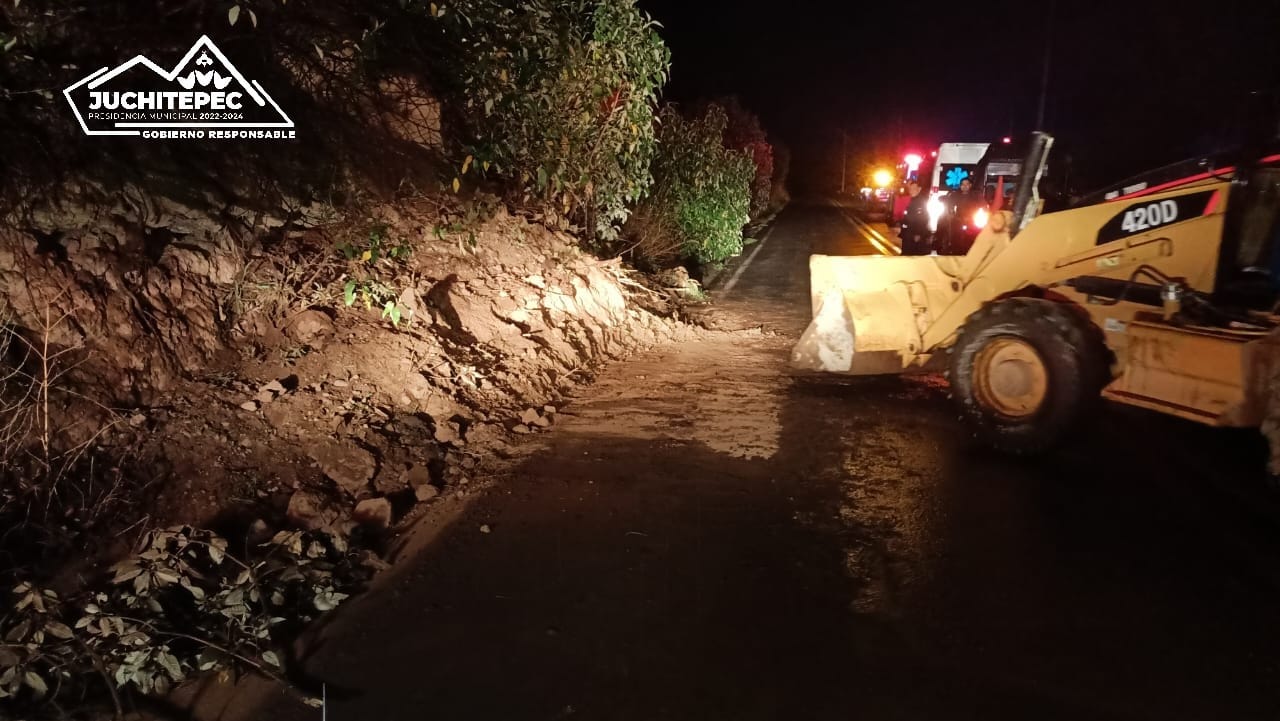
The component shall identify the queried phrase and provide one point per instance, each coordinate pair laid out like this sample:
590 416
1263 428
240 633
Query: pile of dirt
142 282
329 415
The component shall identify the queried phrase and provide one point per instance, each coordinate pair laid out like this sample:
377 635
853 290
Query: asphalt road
707 537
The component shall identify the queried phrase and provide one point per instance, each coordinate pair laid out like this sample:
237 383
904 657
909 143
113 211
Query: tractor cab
998 172
1247 273
1249 265
1249 262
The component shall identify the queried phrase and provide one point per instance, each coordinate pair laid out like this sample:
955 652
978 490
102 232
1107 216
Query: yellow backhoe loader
1160 294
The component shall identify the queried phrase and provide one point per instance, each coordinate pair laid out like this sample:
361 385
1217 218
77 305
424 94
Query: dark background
1134 83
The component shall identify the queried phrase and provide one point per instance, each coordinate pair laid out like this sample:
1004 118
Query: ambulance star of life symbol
955 176
203 96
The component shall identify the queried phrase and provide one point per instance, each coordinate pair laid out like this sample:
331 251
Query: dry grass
56 483
31 370
653 240
278 287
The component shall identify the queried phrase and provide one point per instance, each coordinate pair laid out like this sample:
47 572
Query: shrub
182 605
559 98
702 191
744 132
779 195
653 236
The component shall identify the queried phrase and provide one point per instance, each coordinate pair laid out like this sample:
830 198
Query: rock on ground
375 512
346 464
311 511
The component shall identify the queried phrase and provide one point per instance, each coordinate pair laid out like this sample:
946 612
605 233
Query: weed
371 263
182 604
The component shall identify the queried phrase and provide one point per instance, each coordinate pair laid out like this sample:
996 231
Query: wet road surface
705 536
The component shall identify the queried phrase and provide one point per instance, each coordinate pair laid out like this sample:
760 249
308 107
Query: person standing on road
962 208
914 230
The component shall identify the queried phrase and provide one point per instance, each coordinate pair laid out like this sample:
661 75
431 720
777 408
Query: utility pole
844 158
1048 60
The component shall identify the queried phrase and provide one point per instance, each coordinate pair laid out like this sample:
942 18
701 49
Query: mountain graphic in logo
203 91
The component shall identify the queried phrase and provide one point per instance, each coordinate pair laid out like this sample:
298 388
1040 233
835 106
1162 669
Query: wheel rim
1011 378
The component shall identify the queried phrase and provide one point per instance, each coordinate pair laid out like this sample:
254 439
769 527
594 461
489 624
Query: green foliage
376 246
391 310
181 605
744 132
702 190
233 15
559 96
370 260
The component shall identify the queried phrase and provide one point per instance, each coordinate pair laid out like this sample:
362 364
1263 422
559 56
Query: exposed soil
338 404
299 410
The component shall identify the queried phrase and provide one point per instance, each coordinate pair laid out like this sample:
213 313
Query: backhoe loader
1159 294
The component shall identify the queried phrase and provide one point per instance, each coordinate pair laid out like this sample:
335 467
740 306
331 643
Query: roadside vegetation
546 109
702 192
559 98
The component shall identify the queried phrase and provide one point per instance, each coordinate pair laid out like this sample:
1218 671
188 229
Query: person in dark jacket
961 208
914 230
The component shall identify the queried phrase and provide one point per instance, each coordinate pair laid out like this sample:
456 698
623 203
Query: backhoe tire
1025 371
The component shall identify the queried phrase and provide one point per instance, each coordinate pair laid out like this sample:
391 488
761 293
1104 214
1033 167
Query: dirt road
705 537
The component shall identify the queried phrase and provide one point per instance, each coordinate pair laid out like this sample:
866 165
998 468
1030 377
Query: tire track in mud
886 471
884 542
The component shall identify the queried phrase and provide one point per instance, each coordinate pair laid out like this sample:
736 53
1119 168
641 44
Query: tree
560 98
744 132
702 190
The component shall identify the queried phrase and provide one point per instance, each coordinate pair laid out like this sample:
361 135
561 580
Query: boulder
311 327
375 512
311 511
449 432
346 464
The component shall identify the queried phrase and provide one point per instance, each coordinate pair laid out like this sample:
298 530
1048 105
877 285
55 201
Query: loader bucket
869 312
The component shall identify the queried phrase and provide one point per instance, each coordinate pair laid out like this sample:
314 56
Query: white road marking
733 280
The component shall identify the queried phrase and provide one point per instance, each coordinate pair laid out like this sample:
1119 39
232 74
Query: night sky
1134 83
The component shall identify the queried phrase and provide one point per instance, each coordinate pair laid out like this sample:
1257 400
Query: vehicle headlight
980 218
935 208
